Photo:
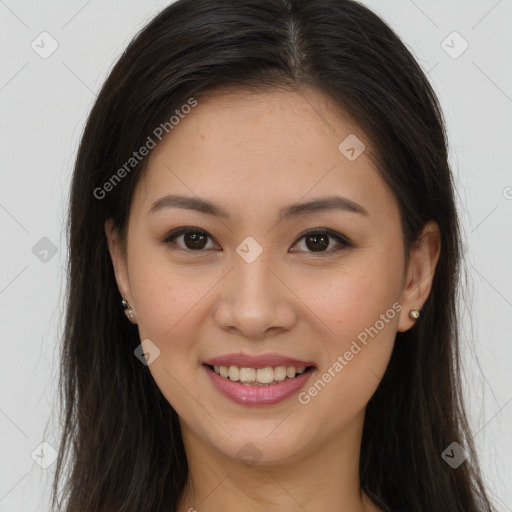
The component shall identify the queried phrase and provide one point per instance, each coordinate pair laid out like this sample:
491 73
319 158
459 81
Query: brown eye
193 239
317 242
320 242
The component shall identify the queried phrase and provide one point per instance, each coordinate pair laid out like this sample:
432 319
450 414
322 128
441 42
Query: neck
323 478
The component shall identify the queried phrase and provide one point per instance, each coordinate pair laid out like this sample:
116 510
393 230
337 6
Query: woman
264 259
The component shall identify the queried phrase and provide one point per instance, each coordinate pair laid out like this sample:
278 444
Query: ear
420 273
118 257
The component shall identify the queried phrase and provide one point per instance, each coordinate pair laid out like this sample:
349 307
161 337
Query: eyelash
342 241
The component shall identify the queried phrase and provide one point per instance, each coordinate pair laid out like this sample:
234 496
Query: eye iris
320 241
197 240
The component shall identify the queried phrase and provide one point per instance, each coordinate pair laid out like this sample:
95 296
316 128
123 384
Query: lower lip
258 395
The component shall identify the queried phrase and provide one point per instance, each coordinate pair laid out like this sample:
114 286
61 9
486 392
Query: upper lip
257 361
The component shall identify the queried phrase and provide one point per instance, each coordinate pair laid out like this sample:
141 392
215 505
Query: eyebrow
295 210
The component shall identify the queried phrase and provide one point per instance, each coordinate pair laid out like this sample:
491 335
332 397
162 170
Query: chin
263 446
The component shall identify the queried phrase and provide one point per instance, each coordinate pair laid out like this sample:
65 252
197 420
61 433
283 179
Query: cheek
361 308
168 303
168 308
354 297
165 296
357 303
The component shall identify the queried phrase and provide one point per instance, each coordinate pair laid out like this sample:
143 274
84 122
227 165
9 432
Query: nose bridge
254 281
255 299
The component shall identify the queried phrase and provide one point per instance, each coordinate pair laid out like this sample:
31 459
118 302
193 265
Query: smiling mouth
269 376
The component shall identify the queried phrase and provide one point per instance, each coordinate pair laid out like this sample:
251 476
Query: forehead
253 148
286 121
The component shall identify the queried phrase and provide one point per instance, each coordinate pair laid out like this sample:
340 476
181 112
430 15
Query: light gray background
44 104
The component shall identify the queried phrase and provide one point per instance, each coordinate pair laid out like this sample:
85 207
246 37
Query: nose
255 301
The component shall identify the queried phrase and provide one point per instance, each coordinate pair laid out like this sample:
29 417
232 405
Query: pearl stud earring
128 311
414 314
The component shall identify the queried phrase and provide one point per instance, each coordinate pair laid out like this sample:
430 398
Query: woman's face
254 284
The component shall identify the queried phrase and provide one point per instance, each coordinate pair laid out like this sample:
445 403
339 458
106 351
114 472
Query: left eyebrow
298 209
322 204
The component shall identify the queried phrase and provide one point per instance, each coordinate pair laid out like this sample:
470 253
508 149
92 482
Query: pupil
320 242
196 239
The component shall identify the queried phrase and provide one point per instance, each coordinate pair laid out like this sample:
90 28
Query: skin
254 153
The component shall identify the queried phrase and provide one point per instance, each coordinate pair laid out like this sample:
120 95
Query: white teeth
259 375
280 373
247 374
290 372
265 375
234 373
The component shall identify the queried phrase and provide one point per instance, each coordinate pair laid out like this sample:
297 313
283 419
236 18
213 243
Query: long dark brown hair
121 444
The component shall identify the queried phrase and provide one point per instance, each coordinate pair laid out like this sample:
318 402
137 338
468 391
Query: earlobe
120 268
421 268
